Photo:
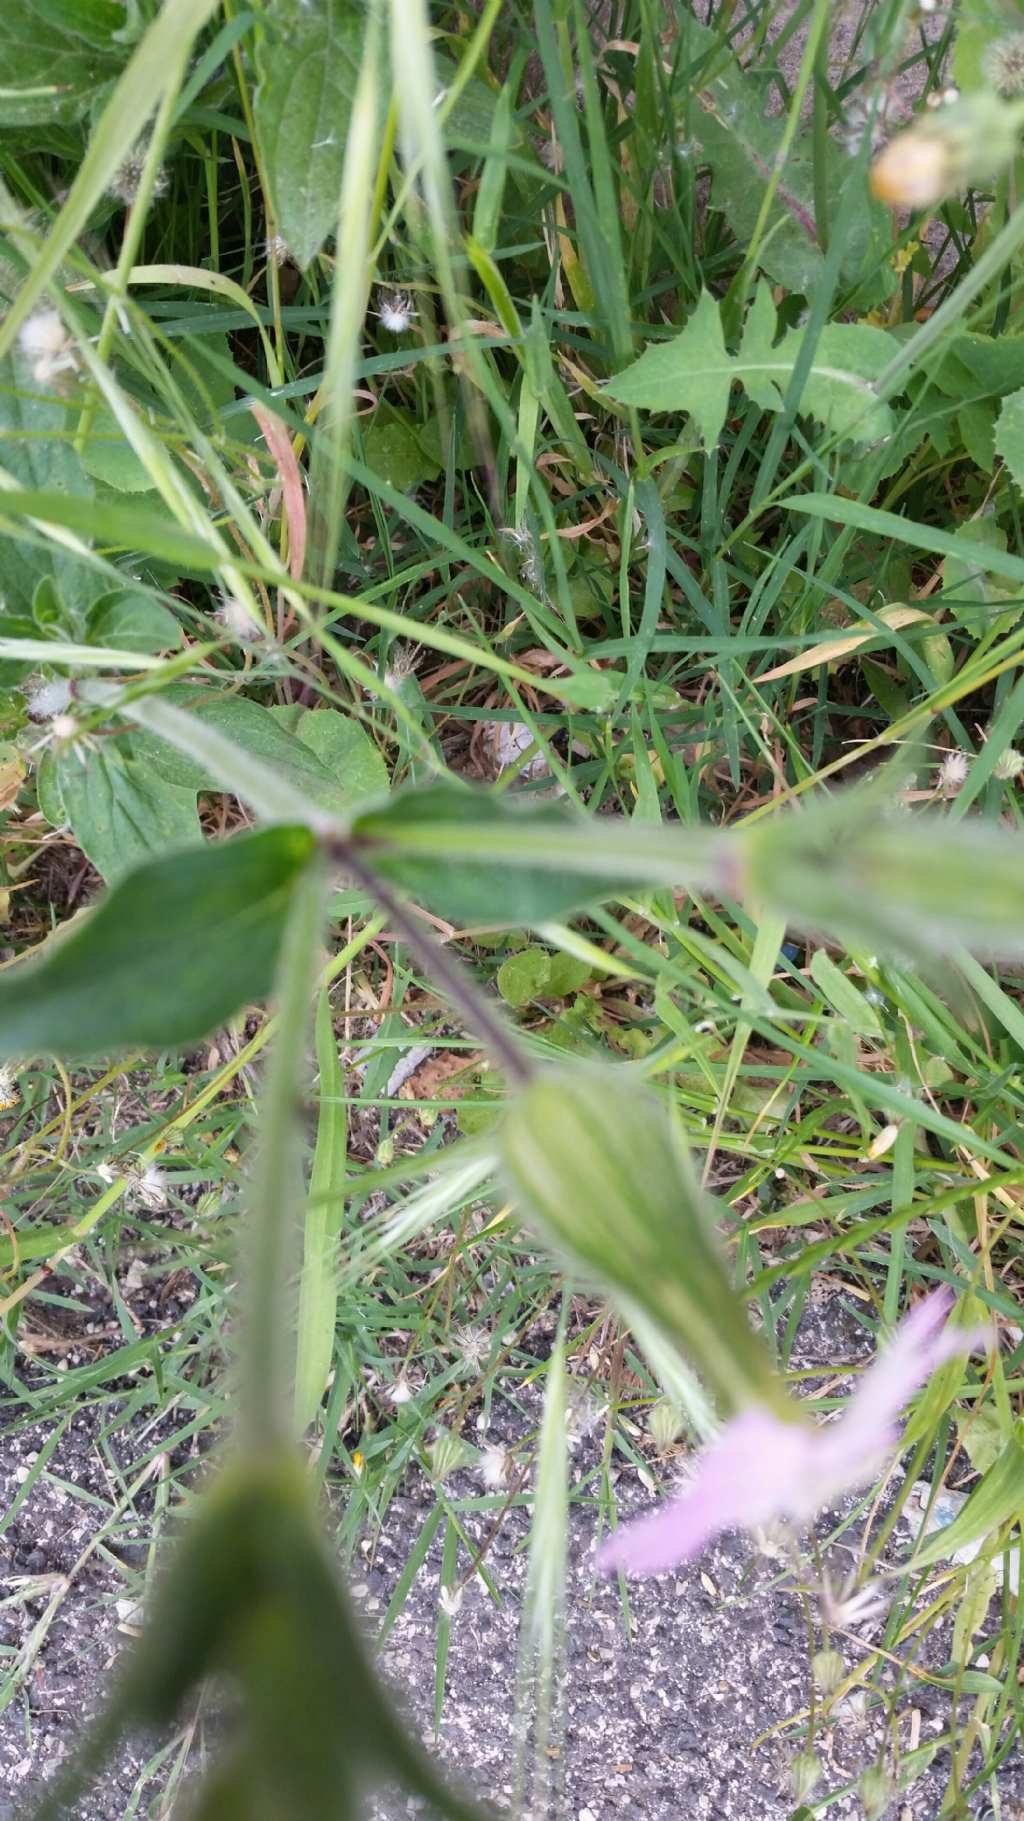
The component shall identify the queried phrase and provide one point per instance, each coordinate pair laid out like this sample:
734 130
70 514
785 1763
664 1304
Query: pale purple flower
764 1467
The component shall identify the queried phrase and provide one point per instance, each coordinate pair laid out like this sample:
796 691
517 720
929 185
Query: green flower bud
875 1789
446 1454
592 1160
664 1424
828 1670
804 1774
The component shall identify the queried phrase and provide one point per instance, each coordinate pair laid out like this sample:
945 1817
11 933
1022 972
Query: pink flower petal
920 1344
762 1467
745 1477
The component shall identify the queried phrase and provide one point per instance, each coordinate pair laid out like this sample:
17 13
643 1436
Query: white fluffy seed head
473 1343
395 312
494 1467
805 1774
446 1454
46 344
125 183
1009 765
236 620
664 1424
148 1188
42 333
450 1599
49 698
953 773
1003 64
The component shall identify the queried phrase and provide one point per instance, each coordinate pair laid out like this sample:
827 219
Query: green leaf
15 626
738 129
981 1434
999 1497
843 996
59 56
110 458
35 448
120 812
51 803
393 448
131 527
132 622
354 765
309 67
970 366
168 954
253 729
978 22
566 974
1009 438
534 974
980 1588
435 447
837 390
423 841
694 373
524 976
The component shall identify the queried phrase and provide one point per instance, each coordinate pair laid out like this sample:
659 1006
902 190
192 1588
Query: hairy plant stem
449 974
268 1263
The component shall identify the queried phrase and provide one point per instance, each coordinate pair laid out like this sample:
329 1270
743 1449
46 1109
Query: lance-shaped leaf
477 858
914 884
168 954
251 1595
995 1500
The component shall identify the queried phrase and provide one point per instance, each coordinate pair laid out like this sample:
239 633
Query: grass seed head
828 1670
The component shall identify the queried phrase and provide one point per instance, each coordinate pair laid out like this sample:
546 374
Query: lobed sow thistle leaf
695 372
594 1165
1009 437
169 953
875 875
